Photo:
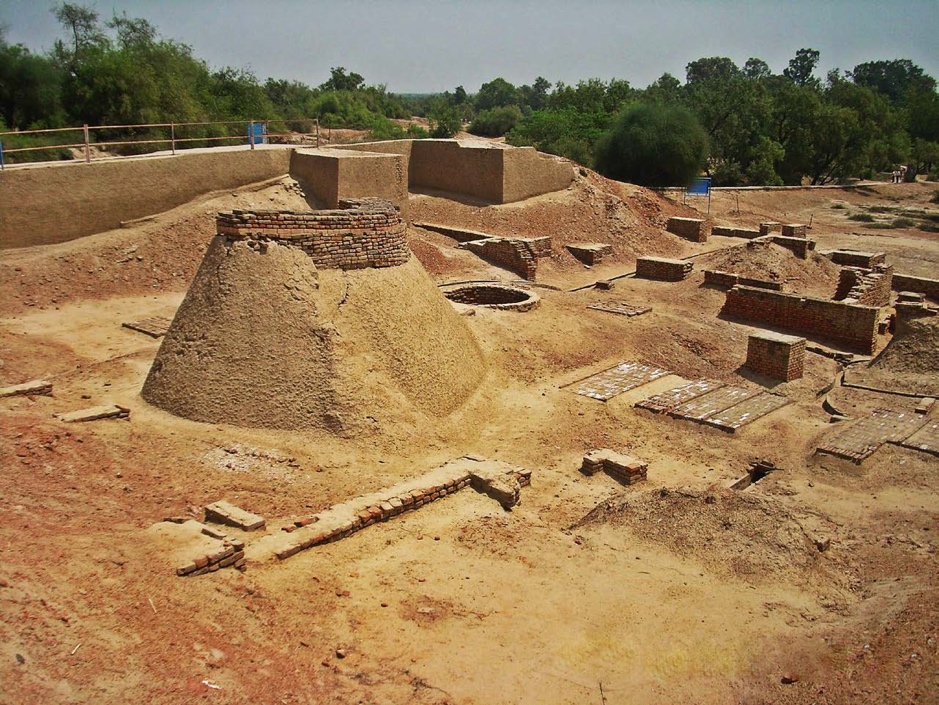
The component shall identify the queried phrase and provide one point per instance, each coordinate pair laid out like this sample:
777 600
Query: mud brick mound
315 320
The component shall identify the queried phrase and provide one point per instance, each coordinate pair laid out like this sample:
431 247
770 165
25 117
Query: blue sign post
2 165
257 133
701 186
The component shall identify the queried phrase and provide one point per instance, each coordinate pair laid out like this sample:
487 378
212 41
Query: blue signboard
700 187
259 134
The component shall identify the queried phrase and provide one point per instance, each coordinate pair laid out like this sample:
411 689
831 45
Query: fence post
173 137
317 133
87 148
251 134
2 164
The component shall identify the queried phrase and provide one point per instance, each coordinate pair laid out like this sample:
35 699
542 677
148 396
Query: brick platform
714 404
856 258
693 229
861 439
776 355
769 227
793 230
621 308
591 253
663 269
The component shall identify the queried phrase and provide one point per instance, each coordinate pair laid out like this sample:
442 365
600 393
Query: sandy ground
678 590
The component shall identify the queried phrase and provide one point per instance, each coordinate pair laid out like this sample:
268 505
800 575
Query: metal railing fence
251 132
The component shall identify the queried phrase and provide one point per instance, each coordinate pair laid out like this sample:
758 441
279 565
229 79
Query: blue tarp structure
259 134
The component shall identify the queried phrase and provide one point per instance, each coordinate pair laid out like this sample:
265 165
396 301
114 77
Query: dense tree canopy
761 127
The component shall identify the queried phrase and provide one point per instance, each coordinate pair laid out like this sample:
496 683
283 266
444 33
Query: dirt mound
266 340
736 535
909 363
815 276
593 209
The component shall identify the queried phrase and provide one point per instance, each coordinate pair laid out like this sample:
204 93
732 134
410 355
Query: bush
935 198
653 145
839 206
862 217
495 122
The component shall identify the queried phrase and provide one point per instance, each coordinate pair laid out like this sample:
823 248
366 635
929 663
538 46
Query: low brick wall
731 231
663 269
922 285
769 227
496 479
367 233
693 229
799 246
725 280
869 287
776 355
519 255
853 326
591 253
625 469
856 258
230 552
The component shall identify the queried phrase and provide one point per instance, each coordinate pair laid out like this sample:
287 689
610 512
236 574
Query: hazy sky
421 46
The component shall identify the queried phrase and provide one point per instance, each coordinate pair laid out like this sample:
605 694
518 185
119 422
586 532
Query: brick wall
663 269
693 229
730 231
799 246
855 258
907 282
777 356
769 227
367 233
869 287
851 325
793 230
591 253
725 280
519 255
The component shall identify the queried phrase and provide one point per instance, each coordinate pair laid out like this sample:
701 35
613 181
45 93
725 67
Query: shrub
653 145
495 122
935 198
862 217
902 223
839 206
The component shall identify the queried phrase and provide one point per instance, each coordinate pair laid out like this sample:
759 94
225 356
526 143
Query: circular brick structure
506 298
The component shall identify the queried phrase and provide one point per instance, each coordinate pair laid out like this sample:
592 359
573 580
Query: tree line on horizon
739 125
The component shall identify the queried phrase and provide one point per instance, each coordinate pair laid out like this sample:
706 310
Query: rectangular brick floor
860 439
705 406
747 411
620 307
673 398
616 380
926 439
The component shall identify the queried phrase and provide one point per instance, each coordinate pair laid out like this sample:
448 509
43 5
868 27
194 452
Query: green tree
802 66
897 79
339 80
496 94
653 145
496 121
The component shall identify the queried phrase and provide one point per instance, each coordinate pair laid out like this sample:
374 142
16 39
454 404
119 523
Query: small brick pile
223 512
856 258
868 287
793 230
625 469
231 553
776 355
591 253
496 479
693 229
725 280
663 269
851 325
367 232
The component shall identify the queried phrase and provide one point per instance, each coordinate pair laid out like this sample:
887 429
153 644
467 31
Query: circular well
495 296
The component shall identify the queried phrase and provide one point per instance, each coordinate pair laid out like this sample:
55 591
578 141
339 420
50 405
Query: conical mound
909 363
314 320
